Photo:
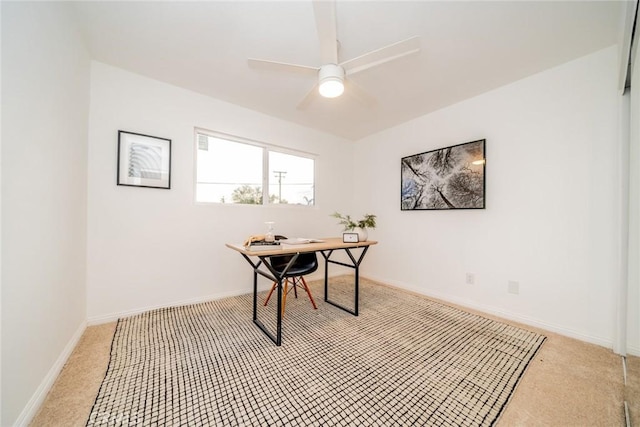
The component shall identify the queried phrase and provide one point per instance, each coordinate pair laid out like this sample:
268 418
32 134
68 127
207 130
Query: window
233 170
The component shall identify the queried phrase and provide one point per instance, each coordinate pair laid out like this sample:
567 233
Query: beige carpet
568 383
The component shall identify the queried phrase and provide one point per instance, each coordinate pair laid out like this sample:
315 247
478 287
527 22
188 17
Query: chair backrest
306 263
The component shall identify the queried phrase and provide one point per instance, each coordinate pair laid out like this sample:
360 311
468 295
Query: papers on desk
300 241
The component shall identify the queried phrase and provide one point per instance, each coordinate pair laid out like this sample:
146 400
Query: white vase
363 235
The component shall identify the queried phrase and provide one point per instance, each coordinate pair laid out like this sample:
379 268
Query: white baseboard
500 313
112 317
633 351
32 407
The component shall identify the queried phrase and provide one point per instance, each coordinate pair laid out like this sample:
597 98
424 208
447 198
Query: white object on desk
269 237
350 237
300 241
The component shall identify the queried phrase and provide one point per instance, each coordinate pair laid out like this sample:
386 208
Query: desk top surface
327 244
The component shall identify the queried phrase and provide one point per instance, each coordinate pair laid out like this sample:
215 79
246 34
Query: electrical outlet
513 287
470 279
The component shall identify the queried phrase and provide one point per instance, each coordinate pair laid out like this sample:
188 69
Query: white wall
552 202
549 222
153 247
45 101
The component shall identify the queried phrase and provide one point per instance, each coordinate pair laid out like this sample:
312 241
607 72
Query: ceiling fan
332 75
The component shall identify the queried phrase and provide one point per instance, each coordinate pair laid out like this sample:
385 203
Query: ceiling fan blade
264 64
325 13
382 55
355 91
308 98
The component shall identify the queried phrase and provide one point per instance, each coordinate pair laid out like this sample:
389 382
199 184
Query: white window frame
266 149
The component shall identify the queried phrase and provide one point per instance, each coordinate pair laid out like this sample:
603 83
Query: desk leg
255 295
326 274
356 266
277 339
357 290
279 315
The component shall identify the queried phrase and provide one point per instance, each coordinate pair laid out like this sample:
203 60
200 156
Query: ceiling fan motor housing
331 80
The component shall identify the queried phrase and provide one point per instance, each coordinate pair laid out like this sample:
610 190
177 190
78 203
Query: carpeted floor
405 360
568 383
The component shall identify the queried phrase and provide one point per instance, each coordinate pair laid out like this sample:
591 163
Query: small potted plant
357 226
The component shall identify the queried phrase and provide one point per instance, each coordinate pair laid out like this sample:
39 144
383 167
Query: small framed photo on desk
350 238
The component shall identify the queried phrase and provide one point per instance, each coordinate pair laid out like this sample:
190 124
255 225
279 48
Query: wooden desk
326 248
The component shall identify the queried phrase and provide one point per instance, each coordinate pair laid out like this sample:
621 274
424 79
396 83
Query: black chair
306 263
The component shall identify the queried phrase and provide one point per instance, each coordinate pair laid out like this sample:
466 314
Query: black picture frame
143 160
447 178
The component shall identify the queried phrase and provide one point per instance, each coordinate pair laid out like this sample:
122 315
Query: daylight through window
231 170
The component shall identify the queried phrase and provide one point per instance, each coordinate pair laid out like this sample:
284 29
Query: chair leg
295 283
273 287
306 288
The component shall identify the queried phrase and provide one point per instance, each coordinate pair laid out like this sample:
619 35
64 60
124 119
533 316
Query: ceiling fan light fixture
331 87
331 81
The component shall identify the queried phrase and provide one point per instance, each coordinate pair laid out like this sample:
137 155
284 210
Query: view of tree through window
229 171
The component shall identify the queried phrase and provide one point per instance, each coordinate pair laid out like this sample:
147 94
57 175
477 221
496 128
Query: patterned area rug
406 360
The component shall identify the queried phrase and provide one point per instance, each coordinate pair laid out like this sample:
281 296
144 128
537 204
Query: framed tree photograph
446 178
144 160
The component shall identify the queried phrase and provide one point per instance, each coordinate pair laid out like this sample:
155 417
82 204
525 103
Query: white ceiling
467 48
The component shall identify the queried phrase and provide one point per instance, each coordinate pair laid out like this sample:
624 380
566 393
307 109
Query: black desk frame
273 275
355 265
